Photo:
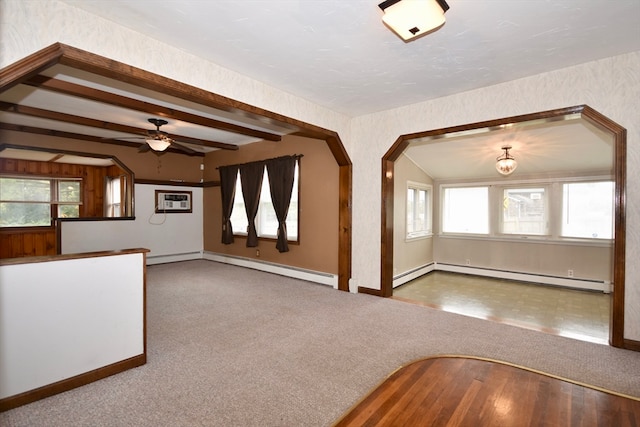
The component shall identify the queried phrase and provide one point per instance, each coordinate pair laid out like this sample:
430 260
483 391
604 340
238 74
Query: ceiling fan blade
125 137
144 148
181 147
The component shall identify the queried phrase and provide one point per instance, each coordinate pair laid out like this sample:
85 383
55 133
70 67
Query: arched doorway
618 135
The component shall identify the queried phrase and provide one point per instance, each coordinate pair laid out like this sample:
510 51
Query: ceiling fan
158 141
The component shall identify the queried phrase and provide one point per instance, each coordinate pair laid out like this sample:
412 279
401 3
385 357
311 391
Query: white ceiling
338 54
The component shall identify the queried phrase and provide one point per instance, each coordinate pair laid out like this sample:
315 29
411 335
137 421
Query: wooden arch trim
59 53
619 134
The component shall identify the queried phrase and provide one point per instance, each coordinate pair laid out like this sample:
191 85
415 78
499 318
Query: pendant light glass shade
506 164
159 144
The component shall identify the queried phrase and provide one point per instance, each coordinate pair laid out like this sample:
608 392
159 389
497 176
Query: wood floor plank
456 391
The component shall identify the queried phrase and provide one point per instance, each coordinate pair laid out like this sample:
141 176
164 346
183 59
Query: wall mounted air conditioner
173 201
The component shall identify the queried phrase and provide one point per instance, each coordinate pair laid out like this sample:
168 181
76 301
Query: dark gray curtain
281 174
251 179
228 177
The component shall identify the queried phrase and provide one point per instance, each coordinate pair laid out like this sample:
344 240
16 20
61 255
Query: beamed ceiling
67 102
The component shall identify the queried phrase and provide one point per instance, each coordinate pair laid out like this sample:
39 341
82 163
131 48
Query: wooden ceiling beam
81 137
101 124
67 88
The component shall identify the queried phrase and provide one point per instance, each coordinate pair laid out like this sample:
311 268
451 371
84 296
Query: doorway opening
510 130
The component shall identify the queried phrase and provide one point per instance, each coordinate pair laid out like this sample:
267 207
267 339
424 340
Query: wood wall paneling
36 241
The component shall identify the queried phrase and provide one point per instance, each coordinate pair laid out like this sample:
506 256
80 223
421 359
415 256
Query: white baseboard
408 276
163 259
592 285
283 270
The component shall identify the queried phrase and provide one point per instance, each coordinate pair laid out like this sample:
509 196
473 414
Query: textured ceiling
338 54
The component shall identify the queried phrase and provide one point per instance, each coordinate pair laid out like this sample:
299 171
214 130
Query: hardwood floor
453 391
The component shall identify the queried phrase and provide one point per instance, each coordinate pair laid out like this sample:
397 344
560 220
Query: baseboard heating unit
283 270
577 283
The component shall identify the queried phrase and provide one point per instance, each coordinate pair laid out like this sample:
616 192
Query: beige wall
407 255
553 259
605 85
318 248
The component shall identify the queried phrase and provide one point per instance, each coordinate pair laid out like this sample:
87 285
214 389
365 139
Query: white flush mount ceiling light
506 163
413 18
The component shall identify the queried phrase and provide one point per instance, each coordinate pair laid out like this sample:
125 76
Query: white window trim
442 188
428 233
261 235
554 214
499 193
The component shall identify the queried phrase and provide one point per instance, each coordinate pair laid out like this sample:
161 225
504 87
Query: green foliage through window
31 202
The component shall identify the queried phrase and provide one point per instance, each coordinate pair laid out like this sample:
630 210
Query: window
266 220
524 211
419 210
551 210
34 202
113 197
465 210
587 210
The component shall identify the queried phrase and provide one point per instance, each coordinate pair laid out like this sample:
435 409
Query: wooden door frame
619 134
59 53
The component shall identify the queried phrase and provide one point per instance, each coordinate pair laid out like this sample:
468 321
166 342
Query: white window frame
293 218
427 230
554 207
500 190
443 191
54 201
562 212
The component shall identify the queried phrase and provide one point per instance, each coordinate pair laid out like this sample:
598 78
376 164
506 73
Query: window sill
418 237
29 229
266 239
546 240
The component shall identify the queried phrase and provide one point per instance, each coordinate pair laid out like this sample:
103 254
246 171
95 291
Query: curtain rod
261 161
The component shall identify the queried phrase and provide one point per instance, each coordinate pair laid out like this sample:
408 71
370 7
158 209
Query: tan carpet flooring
229 346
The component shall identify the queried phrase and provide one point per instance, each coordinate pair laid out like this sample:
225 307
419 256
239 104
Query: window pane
524 211
466 210
587 210
267 220
418 212
69 211
24 214
69 191
25 190
410 211
239 220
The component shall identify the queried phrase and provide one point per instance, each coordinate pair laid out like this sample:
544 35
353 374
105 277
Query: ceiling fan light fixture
159 144
410 19
506 163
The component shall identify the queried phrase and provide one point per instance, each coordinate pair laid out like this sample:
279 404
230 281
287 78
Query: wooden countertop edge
61 257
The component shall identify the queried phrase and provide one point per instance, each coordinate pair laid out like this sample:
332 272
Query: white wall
413 254
611 86
169 237
68 324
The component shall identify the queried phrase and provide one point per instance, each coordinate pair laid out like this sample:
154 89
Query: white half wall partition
168 236
69 320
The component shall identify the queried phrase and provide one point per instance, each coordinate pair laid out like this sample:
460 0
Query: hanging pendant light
506 163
